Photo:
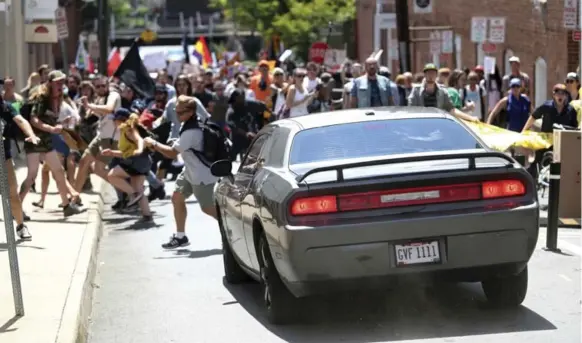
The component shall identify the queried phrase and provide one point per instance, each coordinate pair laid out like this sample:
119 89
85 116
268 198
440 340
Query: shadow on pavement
6 326
4 246
453 310
181 253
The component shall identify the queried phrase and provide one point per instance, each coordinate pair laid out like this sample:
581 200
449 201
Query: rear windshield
379 138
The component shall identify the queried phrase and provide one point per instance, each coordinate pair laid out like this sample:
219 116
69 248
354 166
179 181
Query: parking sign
497 30
447 42
478 29
570 14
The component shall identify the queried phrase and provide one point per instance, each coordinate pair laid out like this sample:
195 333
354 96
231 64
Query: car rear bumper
471 248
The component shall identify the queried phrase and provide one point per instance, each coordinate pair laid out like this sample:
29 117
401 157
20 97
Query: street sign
478 29
317 52
570 14
489 47
576 36
61 20
497 30
447 38
423 6
435 43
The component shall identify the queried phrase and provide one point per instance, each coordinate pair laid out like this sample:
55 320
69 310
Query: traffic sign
478 29
447 38
576 36
570 14
497 30
317 52
489 47
61 20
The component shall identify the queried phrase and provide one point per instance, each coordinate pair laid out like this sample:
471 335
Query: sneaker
71 209
23 233
25 217
157 193
176 242
136 198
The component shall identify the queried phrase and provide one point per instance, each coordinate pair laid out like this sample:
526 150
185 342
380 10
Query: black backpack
215 144
12 131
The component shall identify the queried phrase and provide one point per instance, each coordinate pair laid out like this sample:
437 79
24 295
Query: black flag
134 74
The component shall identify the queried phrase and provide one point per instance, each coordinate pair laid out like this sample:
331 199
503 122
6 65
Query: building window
541 81
506 56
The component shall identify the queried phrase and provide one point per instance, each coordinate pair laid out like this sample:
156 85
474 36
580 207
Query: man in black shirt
556 111
205 96
241 118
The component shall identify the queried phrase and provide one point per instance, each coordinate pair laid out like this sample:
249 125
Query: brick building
534 33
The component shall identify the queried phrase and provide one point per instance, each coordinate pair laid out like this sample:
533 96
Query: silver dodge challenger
363 198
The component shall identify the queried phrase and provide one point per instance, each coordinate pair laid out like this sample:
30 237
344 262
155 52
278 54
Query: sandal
38 204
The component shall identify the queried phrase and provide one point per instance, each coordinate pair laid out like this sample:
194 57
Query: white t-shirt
66 112
194 170
475 97
107 128
310 85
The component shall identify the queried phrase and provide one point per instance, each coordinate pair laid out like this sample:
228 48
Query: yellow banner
501 139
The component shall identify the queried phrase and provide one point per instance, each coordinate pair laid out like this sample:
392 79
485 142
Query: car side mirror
222 168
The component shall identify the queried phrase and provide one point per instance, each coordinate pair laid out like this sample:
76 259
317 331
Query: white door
541 81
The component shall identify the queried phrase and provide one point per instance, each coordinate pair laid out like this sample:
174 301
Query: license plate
417 253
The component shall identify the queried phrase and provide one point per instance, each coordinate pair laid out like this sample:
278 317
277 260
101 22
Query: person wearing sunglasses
573 86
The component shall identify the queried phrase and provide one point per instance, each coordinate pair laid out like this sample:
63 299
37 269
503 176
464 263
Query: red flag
90 65
113 62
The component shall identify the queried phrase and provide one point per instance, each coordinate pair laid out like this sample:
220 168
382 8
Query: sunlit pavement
145 294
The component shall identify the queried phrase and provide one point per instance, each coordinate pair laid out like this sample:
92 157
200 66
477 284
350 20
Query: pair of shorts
97 145
203 193
60 145
137 165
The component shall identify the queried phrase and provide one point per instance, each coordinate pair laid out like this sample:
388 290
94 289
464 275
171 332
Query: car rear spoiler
471 155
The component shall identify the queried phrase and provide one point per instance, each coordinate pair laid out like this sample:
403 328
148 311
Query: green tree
126 16
298 22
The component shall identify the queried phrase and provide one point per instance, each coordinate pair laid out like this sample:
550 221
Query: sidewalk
56 271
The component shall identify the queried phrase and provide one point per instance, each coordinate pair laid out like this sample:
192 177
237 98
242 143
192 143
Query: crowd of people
70 126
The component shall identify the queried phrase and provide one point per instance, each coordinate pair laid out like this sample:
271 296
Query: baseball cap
56 75
121 114
515 82
479 68
429 67
514 59
572 76
559 87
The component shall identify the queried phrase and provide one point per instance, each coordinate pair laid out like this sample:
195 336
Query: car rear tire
279 301
233 273
506 291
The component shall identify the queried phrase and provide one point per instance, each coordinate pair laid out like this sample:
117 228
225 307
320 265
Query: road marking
573 248
565 277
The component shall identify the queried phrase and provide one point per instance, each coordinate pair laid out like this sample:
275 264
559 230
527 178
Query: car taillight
502 189
407 197
314 205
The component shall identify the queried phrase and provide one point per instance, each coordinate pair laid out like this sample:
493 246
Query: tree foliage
297 22
126 16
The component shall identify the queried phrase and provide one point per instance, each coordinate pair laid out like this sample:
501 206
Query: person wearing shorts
196 178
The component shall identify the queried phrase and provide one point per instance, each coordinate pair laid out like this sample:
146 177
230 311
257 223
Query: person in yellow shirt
134 162
577 105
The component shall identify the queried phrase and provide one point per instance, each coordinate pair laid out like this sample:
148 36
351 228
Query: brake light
314 205
502 189
407 197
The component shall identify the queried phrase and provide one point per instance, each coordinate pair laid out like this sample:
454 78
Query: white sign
423 6
497 30
334 57
478 29
447 42
435 43
570 14
489 65
62 26
40 10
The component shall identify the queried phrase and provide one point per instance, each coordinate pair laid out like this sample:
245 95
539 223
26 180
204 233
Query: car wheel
506 291
278 300
233 273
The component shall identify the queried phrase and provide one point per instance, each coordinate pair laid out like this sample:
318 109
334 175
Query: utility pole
403 35
103 35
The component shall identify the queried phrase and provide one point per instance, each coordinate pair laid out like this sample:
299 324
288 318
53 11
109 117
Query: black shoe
23 233
176 242
25 217
118 205
157 193
71 209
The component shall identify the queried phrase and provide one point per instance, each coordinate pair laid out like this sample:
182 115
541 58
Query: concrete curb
563 223
75 319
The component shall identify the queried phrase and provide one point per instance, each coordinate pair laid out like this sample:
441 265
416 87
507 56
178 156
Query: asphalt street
147 295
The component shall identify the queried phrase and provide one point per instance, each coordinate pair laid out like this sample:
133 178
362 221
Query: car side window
249 163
